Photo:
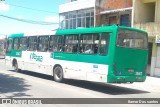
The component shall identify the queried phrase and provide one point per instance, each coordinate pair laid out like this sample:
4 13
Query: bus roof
16 35
95 30
32 34
76 31
87 30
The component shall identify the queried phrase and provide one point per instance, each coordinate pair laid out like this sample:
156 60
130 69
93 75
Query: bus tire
58 73
15 66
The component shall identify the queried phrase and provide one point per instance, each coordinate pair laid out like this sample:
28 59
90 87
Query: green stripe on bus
16 35
88 58
15 53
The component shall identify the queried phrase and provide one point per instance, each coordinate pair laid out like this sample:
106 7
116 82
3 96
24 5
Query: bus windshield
131 39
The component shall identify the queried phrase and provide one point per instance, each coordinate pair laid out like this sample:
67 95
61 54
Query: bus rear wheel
58 74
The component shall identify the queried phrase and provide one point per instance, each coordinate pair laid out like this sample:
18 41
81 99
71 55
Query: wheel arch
14 61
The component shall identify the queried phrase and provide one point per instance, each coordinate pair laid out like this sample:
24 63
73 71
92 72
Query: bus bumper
125 79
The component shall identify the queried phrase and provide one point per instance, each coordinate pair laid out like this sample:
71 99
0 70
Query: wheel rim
58 73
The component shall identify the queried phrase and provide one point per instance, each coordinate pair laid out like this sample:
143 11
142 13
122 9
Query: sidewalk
151 84
2 57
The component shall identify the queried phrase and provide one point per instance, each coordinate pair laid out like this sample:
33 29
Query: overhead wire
33 9
30 21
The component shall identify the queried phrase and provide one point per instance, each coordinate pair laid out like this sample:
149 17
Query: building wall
116 4
147 17
152 28
157 11
158 56
112 18
142 9
157 65
143 12
76 5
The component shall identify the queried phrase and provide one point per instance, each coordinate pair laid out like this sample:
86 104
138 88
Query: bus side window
23 43
16 44
71 44
9 45
104 43
32 43
89 43
43 43
56 43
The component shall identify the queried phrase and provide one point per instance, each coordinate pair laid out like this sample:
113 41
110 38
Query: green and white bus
109 54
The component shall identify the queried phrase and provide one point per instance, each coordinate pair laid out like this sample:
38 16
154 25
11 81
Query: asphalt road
27 84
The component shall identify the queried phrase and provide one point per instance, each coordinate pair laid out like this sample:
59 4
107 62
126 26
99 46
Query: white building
77 13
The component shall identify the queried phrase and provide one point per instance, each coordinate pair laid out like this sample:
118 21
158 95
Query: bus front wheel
58 74
15 66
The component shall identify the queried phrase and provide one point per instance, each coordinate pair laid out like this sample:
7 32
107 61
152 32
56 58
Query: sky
30 10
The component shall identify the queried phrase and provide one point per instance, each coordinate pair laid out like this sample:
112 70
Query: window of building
56 43
124 20
32 43
43 42
89 43
75 19
71 20
16 44
9 45
92 19
71 44
80 19
149 10
23 43
89 19
104 44
66 22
